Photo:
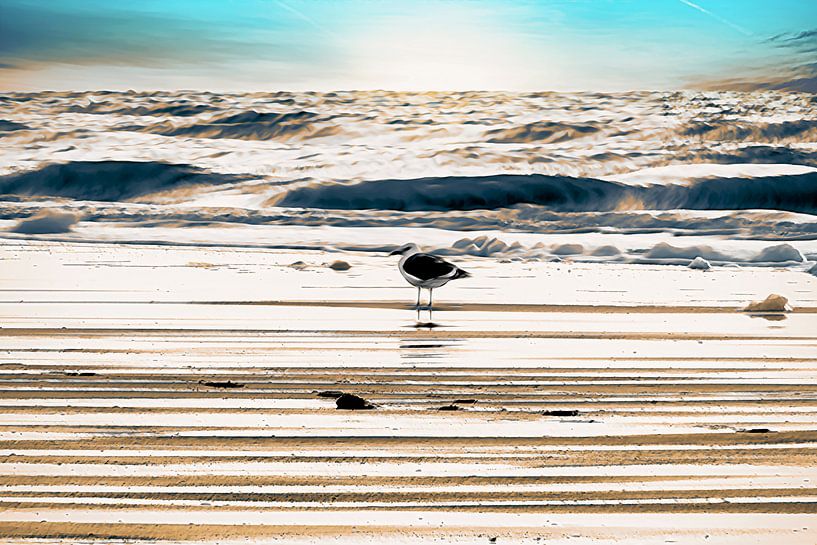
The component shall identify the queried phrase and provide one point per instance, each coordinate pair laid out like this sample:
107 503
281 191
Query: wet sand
625 421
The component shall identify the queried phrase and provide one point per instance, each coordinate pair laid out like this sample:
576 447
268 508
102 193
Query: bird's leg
417 306
430 306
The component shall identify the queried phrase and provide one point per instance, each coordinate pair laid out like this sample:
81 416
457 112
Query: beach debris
451 407
221 384
334 394
339 265
757 430
772 303
699 264
351 402
298 265
561 412
79 374
464 402
201 265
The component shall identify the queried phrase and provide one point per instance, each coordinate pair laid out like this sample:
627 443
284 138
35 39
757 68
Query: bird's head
406 249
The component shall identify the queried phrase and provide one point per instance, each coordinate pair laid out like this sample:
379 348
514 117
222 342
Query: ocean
640 177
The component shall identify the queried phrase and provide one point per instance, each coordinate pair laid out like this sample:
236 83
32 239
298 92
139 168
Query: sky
266 45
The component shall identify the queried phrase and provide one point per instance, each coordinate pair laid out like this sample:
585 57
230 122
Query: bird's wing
427 266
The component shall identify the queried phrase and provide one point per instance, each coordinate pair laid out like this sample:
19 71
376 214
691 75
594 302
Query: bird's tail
462 274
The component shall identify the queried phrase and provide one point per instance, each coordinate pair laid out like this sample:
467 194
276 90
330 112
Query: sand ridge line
433 496
715 504
602 458
559 391
379 533
451 307
322 480
125 371
59 368
414 333
166 438
295 367
408 386
487 408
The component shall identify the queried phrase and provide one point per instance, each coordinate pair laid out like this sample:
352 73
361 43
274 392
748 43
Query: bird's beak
396 252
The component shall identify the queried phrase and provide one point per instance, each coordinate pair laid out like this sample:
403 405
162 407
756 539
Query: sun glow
446 49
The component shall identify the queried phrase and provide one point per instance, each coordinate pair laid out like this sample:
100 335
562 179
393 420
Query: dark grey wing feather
427 266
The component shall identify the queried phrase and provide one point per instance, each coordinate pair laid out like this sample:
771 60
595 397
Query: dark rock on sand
339 265
758 430
221 384
561 413
352 402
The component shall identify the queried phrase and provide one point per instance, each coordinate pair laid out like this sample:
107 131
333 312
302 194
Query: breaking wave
571 176
724 131
793 193
250 125
458 193
108 180
758 154
10 126
179 109
547 132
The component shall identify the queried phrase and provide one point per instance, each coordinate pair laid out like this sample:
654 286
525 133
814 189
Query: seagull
425 270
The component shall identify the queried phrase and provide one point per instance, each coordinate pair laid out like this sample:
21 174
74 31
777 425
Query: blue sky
417 45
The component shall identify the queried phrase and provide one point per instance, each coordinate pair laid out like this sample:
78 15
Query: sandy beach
174 394
223 225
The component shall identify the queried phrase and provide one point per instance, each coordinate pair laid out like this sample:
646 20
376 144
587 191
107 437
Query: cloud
801 79
803 42
788 66
77 34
